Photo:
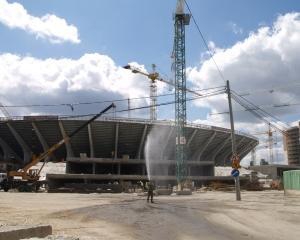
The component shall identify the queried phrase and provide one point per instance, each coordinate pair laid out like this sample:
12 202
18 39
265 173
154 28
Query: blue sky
70 51
142 30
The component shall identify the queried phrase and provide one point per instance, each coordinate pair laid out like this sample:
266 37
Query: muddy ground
207 215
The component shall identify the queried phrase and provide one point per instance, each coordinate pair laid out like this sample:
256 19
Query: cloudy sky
67 52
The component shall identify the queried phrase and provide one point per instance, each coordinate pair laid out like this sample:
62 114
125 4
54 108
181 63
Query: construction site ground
203 215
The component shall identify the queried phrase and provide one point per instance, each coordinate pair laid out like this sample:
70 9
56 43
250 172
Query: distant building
292 146
274 171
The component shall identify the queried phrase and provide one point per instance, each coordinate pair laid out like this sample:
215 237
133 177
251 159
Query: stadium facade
113 149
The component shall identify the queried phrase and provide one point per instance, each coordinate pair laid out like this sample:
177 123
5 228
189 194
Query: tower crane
270 143
181 19
154 76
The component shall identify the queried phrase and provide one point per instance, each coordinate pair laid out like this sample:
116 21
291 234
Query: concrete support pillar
8 152
219 149
228 154
68 145
139 151
42 140
247 148
192 137
91 142
210 139
143 170
189 170
26 149
94 168
116 141
166 143
116 147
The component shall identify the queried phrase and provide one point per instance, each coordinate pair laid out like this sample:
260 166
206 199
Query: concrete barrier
23 232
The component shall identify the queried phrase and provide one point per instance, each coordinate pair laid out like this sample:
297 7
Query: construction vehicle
26 178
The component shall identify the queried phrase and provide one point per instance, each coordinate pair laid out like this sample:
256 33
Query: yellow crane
26 178
155 76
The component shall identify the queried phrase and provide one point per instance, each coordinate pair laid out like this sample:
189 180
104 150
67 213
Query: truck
27 178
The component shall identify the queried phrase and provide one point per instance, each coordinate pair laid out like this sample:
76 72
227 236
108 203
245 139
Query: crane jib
92 119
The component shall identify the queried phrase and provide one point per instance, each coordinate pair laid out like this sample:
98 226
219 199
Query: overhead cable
205 42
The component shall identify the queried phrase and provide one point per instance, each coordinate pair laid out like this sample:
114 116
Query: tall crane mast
270 144
153 94
180 21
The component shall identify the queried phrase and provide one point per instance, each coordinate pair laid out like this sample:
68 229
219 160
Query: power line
264 106
205 42
259 115
148 106
272 90
100 102
217 92
267 114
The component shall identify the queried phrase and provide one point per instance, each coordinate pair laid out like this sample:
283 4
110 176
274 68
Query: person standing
151 188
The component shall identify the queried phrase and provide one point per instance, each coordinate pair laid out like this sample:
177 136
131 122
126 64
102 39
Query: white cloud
49 26
235 28
93 77
266 59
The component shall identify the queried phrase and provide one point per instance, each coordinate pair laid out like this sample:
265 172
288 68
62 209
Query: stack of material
220 186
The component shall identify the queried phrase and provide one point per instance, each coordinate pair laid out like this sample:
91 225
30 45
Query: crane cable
205 42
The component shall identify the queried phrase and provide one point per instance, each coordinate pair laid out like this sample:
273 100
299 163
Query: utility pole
271 143
181 19
235 160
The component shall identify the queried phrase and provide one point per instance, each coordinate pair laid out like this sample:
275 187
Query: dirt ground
208 215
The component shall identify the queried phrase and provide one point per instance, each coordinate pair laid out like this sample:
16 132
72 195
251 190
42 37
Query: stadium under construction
113 149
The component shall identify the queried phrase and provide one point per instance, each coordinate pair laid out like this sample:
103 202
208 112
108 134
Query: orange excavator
27 179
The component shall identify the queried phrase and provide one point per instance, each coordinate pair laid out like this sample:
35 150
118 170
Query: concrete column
42 140
138 156
249 146
116 141
94 168
219 149
192 137
8 152
91 142
210 139
116 147
166 143
144 170
68 145
26 149
229 153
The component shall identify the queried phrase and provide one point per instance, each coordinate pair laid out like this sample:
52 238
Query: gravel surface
208 215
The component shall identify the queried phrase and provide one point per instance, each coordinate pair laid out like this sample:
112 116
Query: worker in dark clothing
151 188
